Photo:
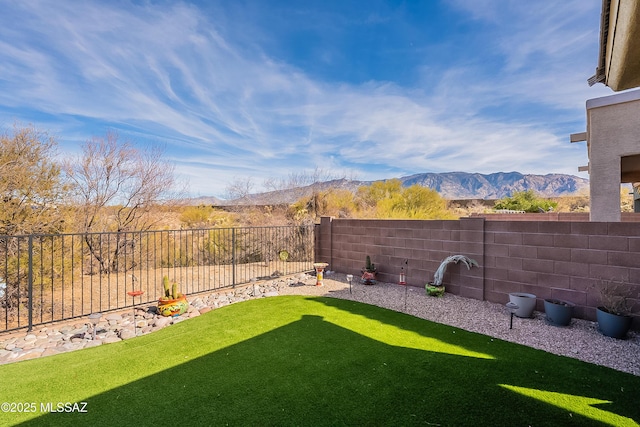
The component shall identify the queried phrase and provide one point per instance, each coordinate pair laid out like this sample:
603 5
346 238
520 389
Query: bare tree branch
117 188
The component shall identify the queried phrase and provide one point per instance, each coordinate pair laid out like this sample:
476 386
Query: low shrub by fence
47 278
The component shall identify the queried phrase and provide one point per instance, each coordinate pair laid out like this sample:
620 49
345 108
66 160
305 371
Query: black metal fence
48 278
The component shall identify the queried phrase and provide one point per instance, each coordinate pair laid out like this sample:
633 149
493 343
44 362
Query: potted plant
369 272
614 315
436 288
525 302
558 312
173 303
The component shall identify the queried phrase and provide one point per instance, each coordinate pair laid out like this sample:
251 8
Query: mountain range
462 185
450 185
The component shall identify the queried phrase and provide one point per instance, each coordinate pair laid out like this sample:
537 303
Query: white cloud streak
165 71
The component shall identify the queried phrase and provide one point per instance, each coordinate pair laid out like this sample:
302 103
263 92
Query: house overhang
619 55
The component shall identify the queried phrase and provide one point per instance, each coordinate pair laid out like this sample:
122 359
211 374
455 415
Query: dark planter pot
558 312
525 302
613 325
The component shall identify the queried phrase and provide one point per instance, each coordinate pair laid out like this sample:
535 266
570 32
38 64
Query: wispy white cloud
549 50
226 107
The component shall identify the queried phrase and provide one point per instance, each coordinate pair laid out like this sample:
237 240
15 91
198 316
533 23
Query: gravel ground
580 340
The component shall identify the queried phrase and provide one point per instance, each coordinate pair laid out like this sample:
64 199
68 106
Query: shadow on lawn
313 372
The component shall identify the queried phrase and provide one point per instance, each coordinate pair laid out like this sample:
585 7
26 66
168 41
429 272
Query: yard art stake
135 294
404 282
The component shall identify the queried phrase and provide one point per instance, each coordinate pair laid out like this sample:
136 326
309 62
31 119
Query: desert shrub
527 201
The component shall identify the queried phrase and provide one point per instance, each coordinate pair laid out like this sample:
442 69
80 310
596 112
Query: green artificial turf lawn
294 360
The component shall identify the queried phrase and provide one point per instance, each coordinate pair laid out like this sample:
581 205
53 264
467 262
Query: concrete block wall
551 259
564 260
389 243
552 216
547 216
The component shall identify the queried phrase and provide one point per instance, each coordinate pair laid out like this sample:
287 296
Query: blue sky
268 88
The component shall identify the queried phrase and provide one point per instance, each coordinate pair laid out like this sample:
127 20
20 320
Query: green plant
433 290
389 199
368 265
526 201
196 216
170 291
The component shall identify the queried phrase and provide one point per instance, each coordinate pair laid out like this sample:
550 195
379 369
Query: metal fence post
30 282
233 257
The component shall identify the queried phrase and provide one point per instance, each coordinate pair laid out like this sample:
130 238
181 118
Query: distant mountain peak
464 185
450 185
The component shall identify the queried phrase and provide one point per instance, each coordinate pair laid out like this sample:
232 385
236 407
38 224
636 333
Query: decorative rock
50 352
41 342
71 346
79 331
161 322
29 355
127 334
21 343
28 345
115 327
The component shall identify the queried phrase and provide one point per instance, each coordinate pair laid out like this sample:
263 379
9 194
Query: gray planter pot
525 302
613 325
558 312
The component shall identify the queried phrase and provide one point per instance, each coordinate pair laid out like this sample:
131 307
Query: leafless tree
299 179
117 189
239 191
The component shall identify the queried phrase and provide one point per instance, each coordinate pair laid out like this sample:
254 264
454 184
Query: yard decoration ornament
436 288
369 272
173 303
